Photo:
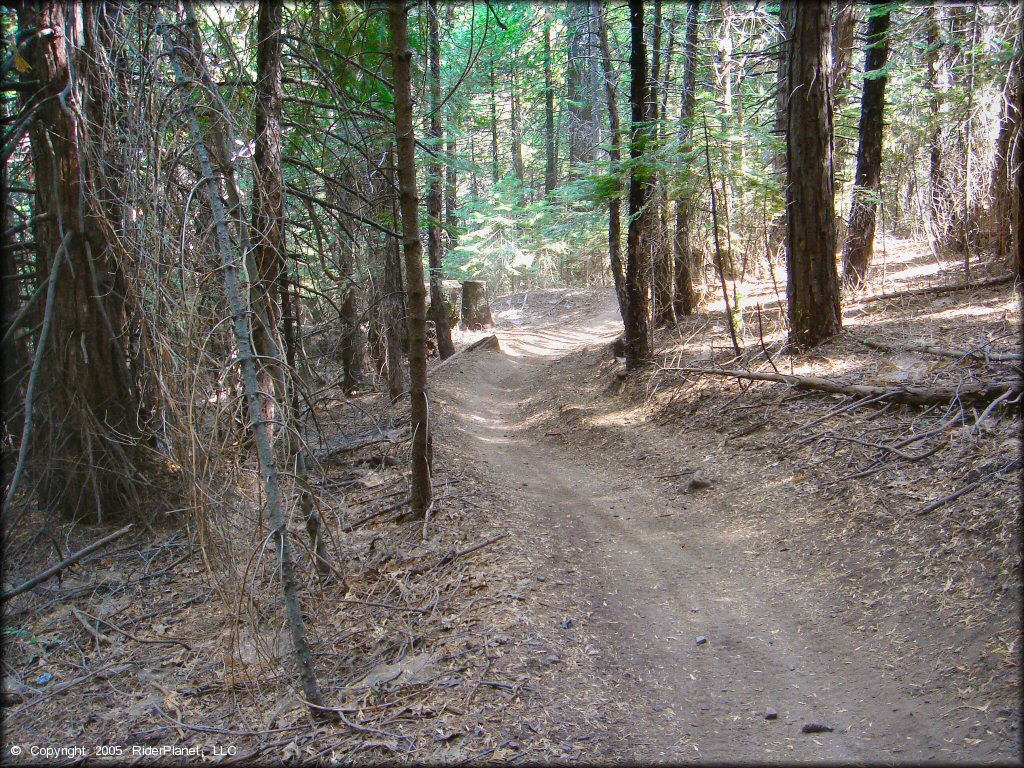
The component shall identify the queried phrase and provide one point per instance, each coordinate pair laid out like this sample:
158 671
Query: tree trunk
636 337
581 125
1001 185
420 495
860 238
939 208
451 188
842 61
615 154
813 289
1018 156
351 335
438 309
494 129
517 140
685 299
550 161
395 328
83 432
661 265
476 312
268 185
781 91
15 352
229 268
263 298
268 217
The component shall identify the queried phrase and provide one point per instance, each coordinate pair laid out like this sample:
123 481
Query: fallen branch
451 556
966 489
487 342
977 354
82 616
933 289
49 573
908 395
374 437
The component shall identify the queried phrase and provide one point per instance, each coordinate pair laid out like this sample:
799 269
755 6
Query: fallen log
68 561
933 289
487 342
976 354
975 393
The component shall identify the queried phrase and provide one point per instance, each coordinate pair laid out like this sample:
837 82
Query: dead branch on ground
976 393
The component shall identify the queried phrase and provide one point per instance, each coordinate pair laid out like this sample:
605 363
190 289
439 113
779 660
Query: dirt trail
656 571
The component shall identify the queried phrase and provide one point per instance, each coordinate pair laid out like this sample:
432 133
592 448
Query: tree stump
476 312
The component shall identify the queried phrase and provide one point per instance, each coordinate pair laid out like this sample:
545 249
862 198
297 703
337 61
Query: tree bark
351 334
550 161
85 452
813 288
661 264
615 155
1003 169
842 61
395 328
15 352
637 335
685 299
860 237
494 129
476 312
420 495
518 168
438 310
939 211
451 190
1018 156
269 240
581 124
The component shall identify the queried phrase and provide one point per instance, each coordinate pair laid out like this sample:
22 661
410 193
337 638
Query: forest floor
659 567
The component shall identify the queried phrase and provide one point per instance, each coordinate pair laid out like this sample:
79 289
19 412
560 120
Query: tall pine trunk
268 217
438 310
550 160
494 129
420 496
637 338
1001 184
860 238
451 189
518 167
395 314
661 265
615 155
685 300
580 124
842 61
813 289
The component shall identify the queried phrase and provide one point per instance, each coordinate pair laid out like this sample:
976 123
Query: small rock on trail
816 728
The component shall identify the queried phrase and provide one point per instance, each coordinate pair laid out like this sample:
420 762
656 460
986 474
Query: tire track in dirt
657 574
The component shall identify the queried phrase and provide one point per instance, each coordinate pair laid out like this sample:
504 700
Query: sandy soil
687 628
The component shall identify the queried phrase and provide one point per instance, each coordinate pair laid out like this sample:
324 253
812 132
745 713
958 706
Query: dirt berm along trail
694 640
